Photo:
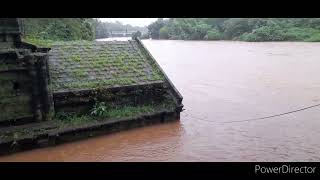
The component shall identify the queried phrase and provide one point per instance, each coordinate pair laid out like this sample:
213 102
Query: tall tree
154 28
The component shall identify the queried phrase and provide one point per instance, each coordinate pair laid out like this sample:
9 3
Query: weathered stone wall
15 95
173 91
83 101
15 92
10 32
24 85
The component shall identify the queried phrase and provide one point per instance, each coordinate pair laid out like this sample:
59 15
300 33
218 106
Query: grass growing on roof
39 42
76 57
117 65
79 73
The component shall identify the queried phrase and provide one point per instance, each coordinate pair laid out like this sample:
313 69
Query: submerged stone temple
23 77
39 83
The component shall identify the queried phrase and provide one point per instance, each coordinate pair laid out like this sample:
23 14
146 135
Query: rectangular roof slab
83 65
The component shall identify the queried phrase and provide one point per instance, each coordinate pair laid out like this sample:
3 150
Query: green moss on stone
76 57
118 63
39 42
80 73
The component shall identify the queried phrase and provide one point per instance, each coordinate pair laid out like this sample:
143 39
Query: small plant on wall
99 109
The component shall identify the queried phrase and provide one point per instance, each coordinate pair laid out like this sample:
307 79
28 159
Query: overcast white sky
131 21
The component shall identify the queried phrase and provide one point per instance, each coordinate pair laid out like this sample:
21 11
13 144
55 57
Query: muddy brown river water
221 82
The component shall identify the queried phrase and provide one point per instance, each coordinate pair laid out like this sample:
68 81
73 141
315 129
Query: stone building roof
88 65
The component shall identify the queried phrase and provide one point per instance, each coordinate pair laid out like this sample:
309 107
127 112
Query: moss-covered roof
84 65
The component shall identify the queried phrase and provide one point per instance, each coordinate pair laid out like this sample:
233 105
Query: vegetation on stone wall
243 29
103 112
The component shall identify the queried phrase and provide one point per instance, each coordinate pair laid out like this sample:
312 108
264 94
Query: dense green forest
59 28
41 31
44 31
38 30
243 29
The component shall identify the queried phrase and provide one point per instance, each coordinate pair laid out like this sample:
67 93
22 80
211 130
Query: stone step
31 128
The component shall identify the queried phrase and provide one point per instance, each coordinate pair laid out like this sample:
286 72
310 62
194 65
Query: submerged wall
83 101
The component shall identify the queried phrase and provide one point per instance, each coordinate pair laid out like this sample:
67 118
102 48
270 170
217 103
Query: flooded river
222 83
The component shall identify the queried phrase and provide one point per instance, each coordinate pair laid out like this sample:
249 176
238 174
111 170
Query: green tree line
59 29
40 31
243 29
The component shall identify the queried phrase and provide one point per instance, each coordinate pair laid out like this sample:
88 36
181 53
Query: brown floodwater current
221 82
